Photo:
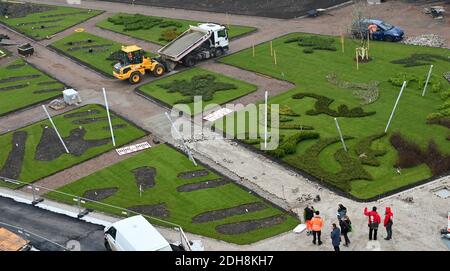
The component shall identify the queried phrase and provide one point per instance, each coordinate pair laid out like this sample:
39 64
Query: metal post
34 193
428 79
109 117
186 149
56 130
340 133
395 106
265 121
79 205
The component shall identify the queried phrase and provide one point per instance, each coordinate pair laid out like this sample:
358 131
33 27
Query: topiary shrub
367 155
419 60
199 85
322 106
141 22
314 42
169 35
289 145
308 51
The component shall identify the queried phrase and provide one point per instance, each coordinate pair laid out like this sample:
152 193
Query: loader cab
219 39
131 55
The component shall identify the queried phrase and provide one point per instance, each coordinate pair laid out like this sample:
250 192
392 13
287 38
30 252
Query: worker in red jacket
374 222
388 222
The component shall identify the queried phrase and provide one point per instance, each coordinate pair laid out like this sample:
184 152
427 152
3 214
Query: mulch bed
14 87
46 83
40 91
90 120
100 194
202 185
193 174
156 210
117 126
440 121
13 165
285 9
224 213
82 114
145 177
64 14
19 78
250 225
15 66
100 46
50 147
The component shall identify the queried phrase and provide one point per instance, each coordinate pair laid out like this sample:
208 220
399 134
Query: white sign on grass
133 148
218 114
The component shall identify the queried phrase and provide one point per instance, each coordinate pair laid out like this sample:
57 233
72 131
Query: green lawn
183 206
31 169
42 24
77 47
156 91
18 91
309 70
154 34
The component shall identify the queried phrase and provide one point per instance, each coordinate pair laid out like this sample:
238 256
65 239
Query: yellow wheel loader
133 64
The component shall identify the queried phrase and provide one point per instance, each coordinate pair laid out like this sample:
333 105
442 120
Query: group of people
314 224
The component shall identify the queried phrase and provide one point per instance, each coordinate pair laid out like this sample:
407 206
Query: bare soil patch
117 126
193 174
50 148
202 185
19 78
40 91
15 66
145 177
250 225
285 9
100 194
224 213
82 114
156 210
13 87
13 165
91 120
46 83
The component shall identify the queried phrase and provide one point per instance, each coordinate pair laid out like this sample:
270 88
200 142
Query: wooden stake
271 48
253 50
342 43
357 59
274 57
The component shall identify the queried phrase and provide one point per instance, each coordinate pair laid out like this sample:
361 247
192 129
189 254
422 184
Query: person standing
317 224
308 215
346 227
388 222
374 222
336 237
341 212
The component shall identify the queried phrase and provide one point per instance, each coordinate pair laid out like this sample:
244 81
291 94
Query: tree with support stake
56 130
395 106
109 117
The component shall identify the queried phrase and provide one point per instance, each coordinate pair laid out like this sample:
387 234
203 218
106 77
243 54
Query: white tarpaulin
300 228
218 114
133 148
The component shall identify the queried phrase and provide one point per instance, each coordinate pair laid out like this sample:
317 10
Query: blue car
385 31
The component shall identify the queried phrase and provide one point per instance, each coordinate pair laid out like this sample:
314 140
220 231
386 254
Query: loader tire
159 70
135 78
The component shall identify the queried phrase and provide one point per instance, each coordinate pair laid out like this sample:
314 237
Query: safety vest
317 223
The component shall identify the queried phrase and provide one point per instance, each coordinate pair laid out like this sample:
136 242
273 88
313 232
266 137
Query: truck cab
219 35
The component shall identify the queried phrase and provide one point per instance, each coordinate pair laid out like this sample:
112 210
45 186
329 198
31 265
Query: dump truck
200 42
133 64
10 241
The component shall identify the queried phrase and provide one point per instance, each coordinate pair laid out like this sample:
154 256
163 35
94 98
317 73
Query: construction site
215 125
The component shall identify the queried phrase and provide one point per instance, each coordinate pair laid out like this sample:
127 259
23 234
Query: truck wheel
189 61
219 52
158 70
135 78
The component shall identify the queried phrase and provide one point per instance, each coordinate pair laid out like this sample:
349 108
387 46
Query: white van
134 234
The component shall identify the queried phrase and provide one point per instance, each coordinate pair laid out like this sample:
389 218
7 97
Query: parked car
384 32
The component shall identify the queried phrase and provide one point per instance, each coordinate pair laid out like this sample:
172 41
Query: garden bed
323 80
40 21
95 55
156 29
44 153
221 205
21 86
180 88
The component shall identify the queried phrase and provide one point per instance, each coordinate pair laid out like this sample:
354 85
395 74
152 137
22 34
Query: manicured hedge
367 155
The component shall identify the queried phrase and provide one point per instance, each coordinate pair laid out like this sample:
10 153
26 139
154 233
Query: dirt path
77 172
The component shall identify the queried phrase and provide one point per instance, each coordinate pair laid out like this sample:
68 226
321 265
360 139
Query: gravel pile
431 40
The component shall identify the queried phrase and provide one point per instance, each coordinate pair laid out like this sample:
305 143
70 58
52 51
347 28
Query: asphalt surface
69 232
